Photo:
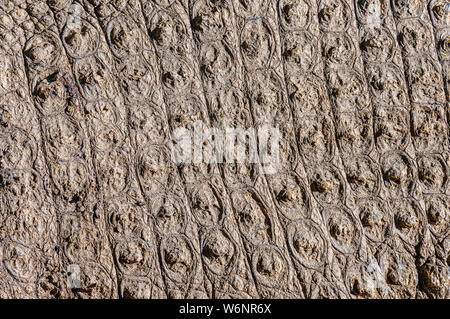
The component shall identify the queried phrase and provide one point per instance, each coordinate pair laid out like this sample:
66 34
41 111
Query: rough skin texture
91 90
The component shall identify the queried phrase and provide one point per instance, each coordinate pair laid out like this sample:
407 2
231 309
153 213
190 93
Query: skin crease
94 203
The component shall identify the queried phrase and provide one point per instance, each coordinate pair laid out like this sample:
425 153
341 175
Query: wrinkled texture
90 92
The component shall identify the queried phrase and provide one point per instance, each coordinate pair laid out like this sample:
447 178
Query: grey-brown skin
360 207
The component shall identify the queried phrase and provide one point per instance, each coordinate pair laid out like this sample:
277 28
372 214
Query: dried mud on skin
360 207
